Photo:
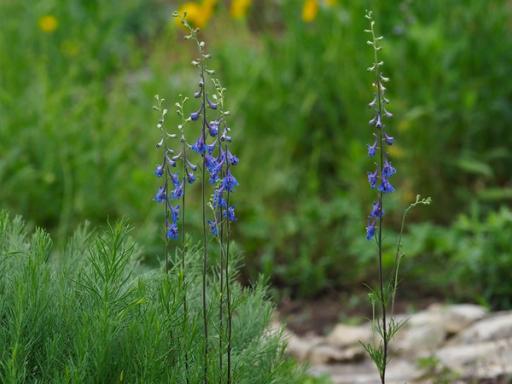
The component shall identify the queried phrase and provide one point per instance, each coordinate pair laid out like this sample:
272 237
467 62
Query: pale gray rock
348 335
328 354
426 331
494 327
485 360
399 372
301 347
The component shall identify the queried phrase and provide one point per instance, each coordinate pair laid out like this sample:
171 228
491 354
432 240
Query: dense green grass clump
89 314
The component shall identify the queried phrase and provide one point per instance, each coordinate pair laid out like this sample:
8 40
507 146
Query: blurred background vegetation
77 133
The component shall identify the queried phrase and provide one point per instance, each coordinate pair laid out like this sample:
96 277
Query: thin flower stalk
187 177
169 171
379 180
205 150
225 184
162 171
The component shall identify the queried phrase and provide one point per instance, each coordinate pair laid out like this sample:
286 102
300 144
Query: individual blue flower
388 139
159 170
372 179
195 115
210 148
372 149
218 199
171 162
229 182
175 179
376 210
214 178
377 121
232 159
385 186
172 231
160 195
178 191
230 213
215 171
388 170
210 162
213 227
213 127
211 104
193 167
199 146
191 177
175 213
370 230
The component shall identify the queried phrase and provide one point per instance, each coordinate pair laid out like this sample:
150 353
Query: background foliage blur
77 135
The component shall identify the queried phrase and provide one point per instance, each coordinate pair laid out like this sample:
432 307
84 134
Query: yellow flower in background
209 4
48 23
309 10
197 14
239 8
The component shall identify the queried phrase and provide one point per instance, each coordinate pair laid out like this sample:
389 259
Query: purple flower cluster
379 177
173 185
217 159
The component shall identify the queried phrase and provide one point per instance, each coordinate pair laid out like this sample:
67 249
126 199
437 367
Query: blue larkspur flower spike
378 179
174 178
220 166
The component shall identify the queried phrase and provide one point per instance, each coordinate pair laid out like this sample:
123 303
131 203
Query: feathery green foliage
90 315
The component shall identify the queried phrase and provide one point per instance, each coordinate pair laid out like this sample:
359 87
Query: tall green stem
380 166
228 279
221 298
205 239
184 253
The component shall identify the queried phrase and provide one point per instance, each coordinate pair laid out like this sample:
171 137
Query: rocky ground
441 344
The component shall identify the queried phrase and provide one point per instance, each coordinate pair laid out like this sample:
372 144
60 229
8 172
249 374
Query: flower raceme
173 184
212 145
379 179
218 158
